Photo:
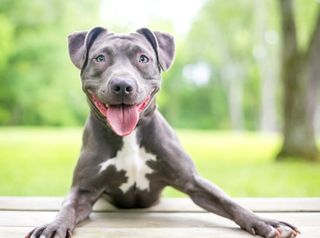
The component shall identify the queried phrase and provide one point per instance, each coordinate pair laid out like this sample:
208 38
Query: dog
129 152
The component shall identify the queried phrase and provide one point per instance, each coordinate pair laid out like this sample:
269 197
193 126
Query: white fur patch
132 160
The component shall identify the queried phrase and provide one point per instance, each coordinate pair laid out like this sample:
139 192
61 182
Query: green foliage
40 86
250 103
37 161
221 36
305 20
6 48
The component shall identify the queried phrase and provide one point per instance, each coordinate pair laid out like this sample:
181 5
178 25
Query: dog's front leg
213 199
76 207
179 172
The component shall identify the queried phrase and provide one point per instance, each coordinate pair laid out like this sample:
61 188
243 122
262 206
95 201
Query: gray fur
172 167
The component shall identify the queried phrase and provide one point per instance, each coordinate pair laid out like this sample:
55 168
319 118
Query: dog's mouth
122 118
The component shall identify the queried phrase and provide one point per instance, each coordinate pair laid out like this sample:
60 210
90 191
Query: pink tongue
123 119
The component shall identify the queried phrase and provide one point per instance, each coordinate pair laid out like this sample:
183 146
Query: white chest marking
132 160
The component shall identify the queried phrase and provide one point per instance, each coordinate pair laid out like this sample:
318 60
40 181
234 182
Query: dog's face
121 73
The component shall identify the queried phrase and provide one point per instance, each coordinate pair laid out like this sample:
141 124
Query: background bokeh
222 94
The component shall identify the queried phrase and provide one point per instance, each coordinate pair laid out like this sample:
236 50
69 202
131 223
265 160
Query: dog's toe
271 228
284 230
49 231
36 233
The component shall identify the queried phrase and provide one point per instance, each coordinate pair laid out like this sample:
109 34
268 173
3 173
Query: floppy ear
163 45
80 43
76 48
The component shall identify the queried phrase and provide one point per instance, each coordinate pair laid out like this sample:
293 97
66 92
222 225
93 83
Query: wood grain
172 217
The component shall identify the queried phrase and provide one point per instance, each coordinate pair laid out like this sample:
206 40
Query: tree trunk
298 99
267 62
313 57
233 74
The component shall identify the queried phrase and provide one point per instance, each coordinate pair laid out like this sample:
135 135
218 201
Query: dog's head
121 73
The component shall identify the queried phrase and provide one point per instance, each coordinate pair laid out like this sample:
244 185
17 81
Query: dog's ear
166 49
163 45
77 48
79 44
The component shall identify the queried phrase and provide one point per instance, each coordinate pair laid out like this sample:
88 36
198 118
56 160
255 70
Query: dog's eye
100 58
143 59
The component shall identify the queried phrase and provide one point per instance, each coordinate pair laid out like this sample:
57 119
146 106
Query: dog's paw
271 228
52 230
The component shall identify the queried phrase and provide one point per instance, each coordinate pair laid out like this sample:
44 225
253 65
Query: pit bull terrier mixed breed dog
129 152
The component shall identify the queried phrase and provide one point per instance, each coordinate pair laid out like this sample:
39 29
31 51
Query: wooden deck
172 217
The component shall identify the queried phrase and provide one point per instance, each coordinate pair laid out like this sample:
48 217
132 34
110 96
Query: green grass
40 161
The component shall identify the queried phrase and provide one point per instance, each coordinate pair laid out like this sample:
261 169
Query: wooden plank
221 232
151 219
167 205
172 217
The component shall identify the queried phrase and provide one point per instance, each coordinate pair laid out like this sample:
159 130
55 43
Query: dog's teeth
107 105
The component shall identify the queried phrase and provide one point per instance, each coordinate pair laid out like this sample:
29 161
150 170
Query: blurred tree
224 75
36 76
221 37
6 48
300 72
265 51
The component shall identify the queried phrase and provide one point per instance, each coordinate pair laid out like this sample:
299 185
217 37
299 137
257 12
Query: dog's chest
133 160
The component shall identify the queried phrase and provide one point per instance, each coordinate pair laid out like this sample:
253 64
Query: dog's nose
122 87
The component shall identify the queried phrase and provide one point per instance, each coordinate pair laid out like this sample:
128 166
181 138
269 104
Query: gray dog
129 152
